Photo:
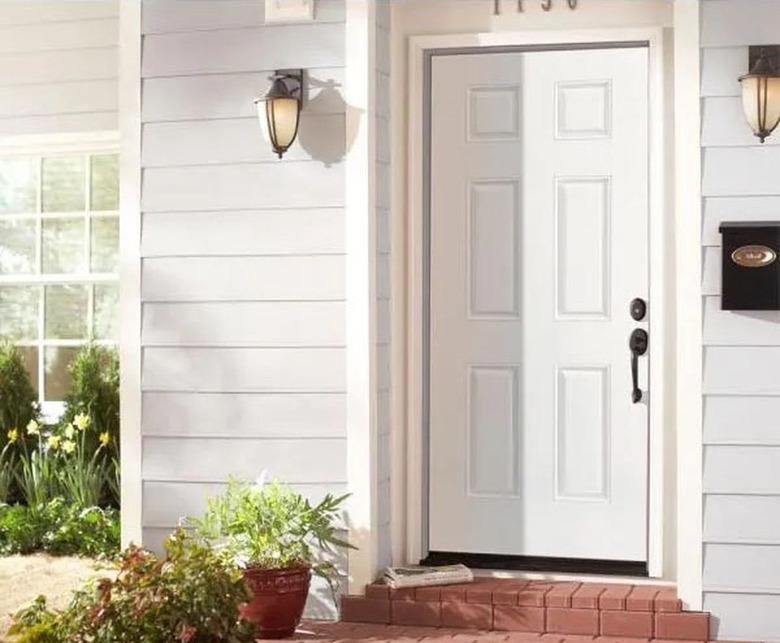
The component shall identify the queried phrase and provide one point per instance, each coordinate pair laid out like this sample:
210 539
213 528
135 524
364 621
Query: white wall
741 350
243 325
58 67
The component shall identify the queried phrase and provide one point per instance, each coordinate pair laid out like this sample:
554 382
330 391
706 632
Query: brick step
638 611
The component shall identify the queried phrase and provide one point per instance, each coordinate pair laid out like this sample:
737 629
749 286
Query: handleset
637 344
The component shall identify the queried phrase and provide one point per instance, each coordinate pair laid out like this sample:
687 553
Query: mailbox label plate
754 256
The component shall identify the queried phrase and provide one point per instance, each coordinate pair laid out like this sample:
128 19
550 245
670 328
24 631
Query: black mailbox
751 267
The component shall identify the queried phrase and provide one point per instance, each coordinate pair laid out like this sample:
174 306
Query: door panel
538 243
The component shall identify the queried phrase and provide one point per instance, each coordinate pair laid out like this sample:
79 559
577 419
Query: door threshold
542 564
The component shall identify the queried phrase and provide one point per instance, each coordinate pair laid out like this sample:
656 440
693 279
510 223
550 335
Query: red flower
186 633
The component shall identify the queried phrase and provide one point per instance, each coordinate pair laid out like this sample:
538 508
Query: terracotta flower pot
278 599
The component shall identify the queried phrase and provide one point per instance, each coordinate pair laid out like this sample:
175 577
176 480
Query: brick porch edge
638 611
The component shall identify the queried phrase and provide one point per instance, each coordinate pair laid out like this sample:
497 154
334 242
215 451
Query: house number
546 5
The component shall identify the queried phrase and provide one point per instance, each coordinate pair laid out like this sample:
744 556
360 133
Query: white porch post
360 242
689 297
130 266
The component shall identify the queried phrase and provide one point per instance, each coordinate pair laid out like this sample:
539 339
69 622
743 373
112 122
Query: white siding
742 349
58 67
243 260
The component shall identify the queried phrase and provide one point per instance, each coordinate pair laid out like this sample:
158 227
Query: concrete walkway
23 578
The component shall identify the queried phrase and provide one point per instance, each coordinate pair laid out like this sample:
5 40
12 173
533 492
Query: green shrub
89 429
18 401
59 528
192 596
94 393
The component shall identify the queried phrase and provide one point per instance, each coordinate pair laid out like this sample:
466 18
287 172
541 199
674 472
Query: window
59 251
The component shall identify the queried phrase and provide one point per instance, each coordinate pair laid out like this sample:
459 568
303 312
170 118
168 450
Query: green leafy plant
18 401
59 528
114 481
83 475
272 527
37 476
7 473
192 596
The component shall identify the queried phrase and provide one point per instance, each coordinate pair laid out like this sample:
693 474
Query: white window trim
50 146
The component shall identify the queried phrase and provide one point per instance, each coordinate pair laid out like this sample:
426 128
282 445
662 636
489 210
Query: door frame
420 50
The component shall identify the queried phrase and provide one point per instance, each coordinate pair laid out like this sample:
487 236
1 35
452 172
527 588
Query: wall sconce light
761 91
279 111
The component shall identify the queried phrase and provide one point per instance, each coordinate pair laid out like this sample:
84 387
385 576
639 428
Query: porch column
361 287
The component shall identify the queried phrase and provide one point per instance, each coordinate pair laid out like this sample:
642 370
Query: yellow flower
82 421
69 431
33 428
69 446
13 435
104 438
54 442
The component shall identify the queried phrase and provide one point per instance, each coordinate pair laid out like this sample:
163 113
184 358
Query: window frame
48 146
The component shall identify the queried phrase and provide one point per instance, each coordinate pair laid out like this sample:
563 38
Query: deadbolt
638 309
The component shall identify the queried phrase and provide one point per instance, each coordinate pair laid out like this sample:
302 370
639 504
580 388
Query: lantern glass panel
761 103
282 117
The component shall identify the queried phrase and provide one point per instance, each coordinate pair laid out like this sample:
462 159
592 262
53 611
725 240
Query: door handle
638 345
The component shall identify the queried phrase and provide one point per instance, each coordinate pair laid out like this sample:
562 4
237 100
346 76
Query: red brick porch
329 632
549 611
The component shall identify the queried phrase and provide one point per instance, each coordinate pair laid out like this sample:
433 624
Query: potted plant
278 538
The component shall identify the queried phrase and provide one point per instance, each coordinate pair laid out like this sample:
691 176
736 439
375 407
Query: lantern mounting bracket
293 79
771 54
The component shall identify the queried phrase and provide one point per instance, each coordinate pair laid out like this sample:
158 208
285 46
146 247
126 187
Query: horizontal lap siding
267 415
243 369
238 140
175 501
239 278
182 98
296 184
242 259
58 67
216 459
307 231
162 16
741 349
245 324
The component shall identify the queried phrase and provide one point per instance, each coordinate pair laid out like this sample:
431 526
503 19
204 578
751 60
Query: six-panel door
538 229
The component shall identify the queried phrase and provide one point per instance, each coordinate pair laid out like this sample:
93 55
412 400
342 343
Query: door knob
637 343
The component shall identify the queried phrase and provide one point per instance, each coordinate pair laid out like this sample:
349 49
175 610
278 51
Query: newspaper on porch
421 576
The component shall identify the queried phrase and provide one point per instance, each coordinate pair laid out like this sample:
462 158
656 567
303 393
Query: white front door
538 242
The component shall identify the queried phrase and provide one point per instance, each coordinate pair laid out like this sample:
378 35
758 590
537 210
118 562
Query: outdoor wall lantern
279 111
761 91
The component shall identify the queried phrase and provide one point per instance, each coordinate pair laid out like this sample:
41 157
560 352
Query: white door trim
416 487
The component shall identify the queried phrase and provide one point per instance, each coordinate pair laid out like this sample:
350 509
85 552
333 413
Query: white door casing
539 241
